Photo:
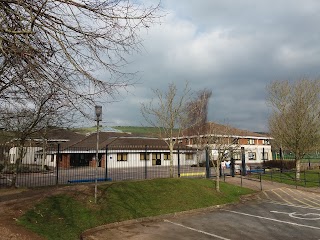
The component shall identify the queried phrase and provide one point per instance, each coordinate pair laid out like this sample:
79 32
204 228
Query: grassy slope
140 131
311 178
65 217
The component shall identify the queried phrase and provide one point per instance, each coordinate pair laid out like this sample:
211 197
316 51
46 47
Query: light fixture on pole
98 118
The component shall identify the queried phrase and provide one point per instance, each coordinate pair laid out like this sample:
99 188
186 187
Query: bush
282 164
202 164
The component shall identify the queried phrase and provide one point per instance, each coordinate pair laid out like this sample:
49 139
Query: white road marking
292 205
313 216
196 230
272 219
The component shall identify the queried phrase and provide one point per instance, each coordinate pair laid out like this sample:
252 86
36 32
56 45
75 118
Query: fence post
207 163
145 163
232 167
260 181
319 178
178 161
280 176
305 180
281 157
243 159
106 174
264 161
309 164
57 164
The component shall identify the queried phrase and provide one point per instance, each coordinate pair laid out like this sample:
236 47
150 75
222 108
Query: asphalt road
281 213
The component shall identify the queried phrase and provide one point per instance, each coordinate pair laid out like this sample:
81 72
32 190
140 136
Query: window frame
122 159
236 154
142 156
166 156
189 156
266 142
253 156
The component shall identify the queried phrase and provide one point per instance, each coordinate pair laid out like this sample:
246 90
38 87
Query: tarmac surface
278 212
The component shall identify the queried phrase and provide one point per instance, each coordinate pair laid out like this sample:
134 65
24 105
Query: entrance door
156 159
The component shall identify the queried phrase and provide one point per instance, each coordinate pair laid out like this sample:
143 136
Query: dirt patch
15 202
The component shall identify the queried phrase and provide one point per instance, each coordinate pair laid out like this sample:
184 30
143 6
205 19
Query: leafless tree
198 115
52 51
29 116
294 122
221 141
169 113
64 43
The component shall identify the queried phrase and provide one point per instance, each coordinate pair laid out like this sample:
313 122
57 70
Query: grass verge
66 216
309 178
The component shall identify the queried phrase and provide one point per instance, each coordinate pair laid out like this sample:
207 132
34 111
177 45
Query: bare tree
169 113
198 115
29 116
221 141
294 123
64 43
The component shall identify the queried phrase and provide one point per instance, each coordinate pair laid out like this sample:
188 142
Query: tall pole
264 161
98 112
243 160
57 164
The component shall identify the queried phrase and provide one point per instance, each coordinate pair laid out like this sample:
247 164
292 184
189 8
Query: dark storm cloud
234 48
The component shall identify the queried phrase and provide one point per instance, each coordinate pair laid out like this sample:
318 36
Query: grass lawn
141 131
135 130
309 178
67 216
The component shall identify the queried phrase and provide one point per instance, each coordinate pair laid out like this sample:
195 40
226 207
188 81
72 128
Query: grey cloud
234 48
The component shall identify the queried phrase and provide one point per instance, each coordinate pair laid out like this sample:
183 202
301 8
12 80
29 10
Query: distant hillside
137 131
140 131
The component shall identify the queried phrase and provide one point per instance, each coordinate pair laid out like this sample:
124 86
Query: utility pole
98 112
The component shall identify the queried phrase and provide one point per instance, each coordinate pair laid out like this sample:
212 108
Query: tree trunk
17 165
171 159
198 158
298 168
218 175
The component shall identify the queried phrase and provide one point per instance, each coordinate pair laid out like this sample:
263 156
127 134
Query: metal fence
309 161
39 166
306 178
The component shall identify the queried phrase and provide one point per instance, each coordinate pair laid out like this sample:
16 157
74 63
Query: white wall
32 155
133 159
257 149
29 154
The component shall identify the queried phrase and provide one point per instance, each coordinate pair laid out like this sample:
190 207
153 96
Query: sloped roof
141 143
123 141
52 135
90 141
219 129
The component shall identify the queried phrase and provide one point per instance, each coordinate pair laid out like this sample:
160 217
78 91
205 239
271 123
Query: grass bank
67 216
308 178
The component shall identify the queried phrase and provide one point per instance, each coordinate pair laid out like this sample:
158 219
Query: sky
234 48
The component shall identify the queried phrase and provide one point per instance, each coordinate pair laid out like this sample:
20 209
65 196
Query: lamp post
98 113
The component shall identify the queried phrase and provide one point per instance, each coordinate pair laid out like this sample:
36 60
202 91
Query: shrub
284 164
202 164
